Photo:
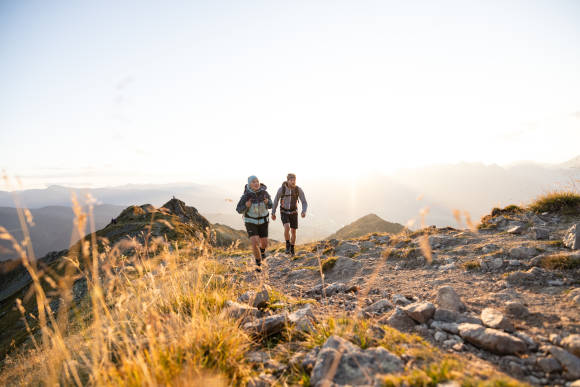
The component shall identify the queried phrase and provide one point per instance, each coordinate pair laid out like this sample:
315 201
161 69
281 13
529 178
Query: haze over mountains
471 187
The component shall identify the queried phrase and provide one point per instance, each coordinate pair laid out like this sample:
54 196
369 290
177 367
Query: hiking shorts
260 230
290 218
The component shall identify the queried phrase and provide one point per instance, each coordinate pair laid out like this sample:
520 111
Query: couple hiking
254 205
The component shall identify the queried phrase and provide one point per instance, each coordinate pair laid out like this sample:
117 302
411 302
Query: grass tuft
566 202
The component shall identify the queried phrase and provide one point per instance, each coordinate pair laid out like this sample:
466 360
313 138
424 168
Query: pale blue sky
110 92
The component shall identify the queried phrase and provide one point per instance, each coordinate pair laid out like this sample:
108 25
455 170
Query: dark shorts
290 218
260 230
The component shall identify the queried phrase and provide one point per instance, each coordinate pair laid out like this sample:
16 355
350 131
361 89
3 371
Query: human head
253 183
291 179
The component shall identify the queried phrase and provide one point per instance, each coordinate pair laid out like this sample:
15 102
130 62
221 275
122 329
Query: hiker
289 194
254 205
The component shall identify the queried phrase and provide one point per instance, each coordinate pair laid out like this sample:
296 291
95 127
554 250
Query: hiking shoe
264 255
292 250
258 266
287 247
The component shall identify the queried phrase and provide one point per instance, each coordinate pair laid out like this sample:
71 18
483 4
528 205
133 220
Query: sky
109 92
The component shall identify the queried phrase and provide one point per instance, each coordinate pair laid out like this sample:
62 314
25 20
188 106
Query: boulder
420 311
267 326
378 308
341 363
492 340
447 298
399 320
569 362
572 237
495 319
572 344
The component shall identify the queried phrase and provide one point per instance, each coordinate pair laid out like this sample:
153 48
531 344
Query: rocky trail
505 297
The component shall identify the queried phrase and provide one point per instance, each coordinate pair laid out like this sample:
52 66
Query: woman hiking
254 205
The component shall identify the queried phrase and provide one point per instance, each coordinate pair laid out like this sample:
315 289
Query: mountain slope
365 225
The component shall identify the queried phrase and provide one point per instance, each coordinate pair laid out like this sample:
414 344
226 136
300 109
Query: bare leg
293 236
287 231
255 241
263 243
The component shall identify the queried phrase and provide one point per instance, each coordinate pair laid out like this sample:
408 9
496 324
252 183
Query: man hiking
289 194
254 204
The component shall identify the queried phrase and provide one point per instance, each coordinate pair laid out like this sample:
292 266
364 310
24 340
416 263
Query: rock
569 362
303 319
353 365
523 252
267 326
572 237
517 230
300 274
574 296
382 239
494 264
527 339
493 318
347 249
420 311
257 300
489 248
548 364
440 336
344 269
310 359
445 326
367 245
575 383
572 344
261 299
263 380
240 311
378 308
257 357
454 317
516 309
399 299
447 298
492 340
540 233
399 320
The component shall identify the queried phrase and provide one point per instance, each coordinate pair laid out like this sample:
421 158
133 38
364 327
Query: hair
290 176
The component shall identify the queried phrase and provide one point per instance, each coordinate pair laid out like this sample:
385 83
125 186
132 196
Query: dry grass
560 262
566 202
150 319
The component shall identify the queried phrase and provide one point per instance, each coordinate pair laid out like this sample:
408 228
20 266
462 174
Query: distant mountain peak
367 224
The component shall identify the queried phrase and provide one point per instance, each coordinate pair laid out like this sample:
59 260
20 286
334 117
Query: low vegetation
566 202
